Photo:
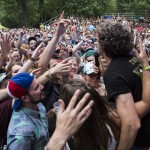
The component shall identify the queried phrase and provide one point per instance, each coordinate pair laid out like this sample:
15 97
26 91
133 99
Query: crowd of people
76 84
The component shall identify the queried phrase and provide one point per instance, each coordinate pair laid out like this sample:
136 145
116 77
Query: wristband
146 68
32 59
47 75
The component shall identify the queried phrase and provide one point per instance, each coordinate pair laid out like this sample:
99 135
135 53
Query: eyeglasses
90 42
89 60
94 75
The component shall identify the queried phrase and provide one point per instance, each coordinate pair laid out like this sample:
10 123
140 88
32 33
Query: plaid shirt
28 129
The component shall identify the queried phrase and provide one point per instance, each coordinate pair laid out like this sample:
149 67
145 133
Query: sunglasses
94 75
89 60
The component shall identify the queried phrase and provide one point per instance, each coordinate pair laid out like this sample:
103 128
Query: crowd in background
65 56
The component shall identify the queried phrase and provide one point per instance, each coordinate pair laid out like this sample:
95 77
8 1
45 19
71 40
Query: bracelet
146 68
32 59
47 75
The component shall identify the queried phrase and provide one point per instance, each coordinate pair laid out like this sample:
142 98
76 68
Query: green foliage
18 13
135 6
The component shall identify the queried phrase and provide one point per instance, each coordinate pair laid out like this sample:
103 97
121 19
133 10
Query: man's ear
25 98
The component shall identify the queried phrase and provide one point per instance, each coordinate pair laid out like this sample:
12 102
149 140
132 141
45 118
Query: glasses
94 75
90 42
89 60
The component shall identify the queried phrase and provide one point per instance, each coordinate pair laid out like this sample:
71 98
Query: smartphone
96 55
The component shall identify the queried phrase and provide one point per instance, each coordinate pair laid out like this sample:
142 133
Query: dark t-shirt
52 92
5 116
124 76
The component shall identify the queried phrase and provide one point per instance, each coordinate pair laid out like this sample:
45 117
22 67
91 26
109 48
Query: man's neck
30 106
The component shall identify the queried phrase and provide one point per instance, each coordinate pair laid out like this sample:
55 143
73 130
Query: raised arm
19 43
33 58
143 107
50 48
5 48
62 67
74 51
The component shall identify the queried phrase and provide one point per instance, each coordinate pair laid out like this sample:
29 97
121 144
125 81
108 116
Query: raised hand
37 51
62 25
5 45
71 119
61 16
22 33
62 67
36 72
141 56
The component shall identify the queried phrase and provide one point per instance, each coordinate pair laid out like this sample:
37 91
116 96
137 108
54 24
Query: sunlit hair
74 58
94 134
115 40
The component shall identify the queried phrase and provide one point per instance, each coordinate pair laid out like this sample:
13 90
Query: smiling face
92 79
32 44
74 67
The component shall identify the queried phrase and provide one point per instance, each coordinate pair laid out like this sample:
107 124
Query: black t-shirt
52 92
124 76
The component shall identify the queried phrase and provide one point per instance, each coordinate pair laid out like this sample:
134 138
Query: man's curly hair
115 40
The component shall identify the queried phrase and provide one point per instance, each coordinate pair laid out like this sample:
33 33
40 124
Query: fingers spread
66 60
86 110
73 100
82 103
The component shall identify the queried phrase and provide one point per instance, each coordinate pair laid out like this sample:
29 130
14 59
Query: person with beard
82 49
28 126
31 45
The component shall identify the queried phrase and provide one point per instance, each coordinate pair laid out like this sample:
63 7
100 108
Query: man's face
32 44
92 79
36 93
